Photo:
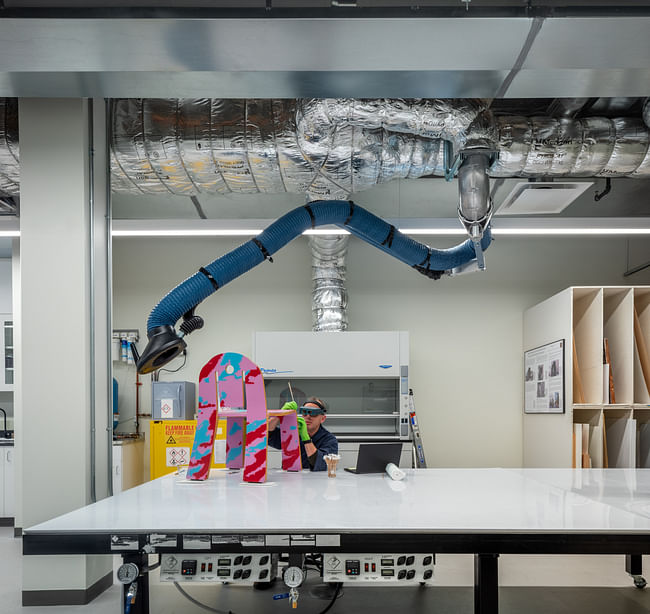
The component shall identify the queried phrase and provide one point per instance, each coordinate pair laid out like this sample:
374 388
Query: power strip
402 569
233 568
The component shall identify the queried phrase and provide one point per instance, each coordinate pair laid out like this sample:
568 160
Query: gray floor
594 585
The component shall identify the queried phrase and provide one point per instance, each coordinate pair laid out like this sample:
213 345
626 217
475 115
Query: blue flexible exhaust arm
165 344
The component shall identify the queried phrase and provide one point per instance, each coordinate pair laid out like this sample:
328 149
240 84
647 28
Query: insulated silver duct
206 145
329 294
558 147
184 146
332 148
9 150
646 112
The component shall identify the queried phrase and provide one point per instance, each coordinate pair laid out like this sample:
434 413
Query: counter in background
128 463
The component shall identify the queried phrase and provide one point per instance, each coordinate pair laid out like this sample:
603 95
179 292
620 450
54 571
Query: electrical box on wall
173 400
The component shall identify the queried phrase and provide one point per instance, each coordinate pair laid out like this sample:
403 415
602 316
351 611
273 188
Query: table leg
486 584
141 603
634 566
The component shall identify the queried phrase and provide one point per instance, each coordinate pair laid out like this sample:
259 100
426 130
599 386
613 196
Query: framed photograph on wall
544 379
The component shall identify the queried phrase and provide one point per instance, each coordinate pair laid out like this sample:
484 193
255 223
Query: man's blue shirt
324 441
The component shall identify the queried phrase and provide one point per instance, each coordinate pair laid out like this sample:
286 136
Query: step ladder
418 449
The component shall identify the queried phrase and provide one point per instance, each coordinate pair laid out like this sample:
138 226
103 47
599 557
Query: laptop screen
373 457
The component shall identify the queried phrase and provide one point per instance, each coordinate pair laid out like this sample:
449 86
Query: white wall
466 332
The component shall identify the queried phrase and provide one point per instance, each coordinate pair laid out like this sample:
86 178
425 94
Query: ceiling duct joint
475 206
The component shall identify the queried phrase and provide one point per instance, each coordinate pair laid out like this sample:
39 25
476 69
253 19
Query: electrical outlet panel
399 569
241 568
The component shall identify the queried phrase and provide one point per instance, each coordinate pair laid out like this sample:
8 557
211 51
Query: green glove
290 405
302 429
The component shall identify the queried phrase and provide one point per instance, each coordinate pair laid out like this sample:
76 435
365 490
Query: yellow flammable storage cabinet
171 446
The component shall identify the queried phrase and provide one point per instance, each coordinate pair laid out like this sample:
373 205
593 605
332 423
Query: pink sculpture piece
231 386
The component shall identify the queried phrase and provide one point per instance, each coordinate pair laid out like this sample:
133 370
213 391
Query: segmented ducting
558 147
192 146
9 151
329 293
206 145
646 112
333 148
430 262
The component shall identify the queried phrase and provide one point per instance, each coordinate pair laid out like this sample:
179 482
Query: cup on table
331 460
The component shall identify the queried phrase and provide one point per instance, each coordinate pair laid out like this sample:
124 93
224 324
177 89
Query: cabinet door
6 352
3 455
117 469
9 473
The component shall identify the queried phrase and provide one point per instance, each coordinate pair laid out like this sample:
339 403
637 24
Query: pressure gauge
293 576
127 573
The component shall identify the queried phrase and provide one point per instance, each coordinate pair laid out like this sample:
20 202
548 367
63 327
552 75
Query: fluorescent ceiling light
188 232
325 231
569 231
450 227
443 227
9 227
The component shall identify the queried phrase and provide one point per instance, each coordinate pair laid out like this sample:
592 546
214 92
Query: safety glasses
310 411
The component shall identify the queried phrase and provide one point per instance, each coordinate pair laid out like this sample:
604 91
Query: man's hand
302 429
290 405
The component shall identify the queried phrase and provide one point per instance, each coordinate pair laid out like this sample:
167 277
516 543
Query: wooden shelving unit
584 317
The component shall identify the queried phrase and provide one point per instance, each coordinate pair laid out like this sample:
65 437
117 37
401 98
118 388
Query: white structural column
63 334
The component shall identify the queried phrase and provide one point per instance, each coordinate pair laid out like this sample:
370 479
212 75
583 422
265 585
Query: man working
315 440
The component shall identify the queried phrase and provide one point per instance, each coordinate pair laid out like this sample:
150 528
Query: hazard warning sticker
177 456
167 408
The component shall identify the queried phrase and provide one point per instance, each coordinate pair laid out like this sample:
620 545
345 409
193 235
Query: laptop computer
373 457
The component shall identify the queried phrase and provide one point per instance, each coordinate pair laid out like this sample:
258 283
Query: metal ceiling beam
406 57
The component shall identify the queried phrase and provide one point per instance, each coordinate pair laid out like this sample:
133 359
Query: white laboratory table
486 512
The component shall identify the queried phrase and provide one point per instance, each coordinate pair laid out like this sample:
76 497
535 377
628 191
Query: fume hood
362 376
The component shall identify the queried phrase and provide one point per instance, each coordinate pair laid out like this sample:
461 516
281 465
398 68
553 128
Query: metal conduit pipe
329 293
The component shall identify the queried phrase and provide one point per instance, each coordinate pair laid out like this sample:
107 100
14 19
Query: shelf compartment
621 436
642 307
588 338
591 439
642 417
618 311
